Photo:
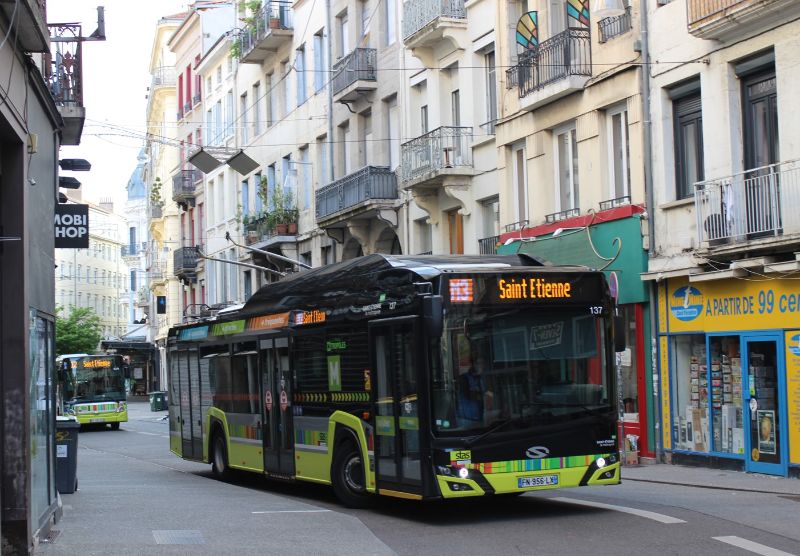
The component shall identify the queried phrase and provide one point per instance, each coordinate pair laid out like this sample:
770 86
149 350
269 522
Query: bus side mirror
432 309
619 334
63 370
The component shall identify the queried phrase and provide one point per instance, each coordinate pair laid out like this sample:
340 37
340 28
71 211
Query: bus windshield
516 368
95 378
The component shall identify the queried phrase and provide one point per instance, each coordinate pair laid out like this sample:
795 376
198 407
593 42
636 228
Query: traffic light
161 304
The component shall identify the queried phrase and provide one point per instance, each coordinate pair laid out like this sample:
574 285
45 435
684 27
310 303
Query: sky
116 78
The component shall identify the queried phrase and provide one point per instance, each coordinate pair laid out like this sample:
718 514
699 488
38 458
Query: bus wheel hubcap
353 474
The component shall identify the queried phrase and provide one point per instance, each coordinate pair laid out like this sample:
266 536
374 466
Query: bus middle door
277 408
397 424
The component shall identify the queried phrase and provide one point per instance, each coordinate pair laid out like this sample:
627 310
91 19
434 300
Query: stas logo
686 303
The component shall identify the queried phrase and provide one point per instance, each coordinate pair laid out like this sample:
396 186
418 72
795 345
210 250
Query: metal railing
64 75
444 147
187 107
755 203
563 215
698 10
565 54
163 76
275 14
368 183
184 260
359 65
154 211
613 203
156 271
196 99
610 27
488 245
183 184
133 250
418 13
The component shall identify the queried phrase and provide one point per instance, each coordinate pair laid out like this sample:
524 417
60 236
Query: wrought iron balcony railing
610 27
274 14
183 185
359 65
163 76
563 215
614 203
155 211
187 107
184 260
565 54
419 13
133 250
370 183
196 99
752 204
488 245
64 75
444 147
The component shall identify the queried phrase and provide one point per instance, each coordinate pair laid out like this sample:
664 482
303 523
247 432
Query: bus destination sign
516 288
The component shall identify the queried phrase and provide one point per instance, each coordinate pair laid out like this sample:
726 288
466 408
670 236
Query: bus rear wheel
348 477
219 457
114 426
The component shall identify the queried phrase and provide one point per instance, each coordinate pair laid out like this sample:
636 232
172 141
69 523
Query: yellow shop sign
731 305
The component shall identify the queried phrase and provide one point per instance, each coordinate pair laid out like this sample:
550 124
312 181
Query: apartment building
571 162
449 157
163 157
727 233
96 277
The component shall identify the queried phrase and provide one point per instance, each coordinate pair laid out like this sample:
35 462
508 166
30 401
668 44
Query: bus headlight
463 472
121 407
601 462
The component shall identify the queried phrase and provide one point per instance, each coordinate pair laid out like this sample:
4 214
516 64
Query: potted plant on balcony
155 196
283 214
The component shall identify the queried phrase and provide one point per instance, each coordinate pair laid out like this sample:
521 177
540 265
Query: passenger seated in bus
473 397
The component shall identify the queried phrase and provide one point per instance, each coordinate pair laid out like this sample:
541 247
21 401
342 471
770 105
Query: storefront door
765 408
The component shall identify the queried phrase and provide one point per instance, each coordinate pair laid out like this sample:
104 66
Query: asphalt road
135 497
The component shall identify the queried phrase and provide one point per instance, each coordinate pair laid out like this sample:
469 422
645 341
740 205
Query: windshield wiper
498 426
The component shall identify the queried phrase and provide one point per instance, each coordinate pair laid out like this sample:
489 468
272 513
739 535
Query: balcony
427 22
728 20
183 187
31 33
184 263
354 74
752 209
488 245
260 232
134 250
432 159
196 100
64 76
559 66
362 194
154 212
187 107
612 27
271 27
163 77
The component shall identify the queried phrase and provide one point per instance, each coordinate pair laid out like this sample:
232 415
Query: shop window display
707 382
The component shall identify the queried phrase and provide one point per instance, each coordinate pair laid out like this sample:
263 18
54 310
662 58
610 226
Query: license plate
97 420
538 481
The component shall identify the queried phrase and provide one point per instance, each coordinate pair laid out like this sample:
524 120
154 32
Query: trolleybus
92 388
418 377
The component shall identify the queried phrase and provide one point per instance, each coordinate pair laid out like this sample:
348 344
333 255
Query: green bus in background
92 388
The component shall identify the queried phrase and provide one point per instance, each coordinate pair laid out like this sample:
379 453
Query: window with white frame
392 112
319 62
491 91
300 69
455 107
244 118
306 169
218 122
391 21
566 167
287 92
519 182
342 36
619 169
258 120
272 101
365 16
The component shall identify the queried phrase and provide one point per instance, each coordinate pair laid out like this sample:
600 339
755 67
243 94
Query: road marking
752 546
149 433
292 512
661 518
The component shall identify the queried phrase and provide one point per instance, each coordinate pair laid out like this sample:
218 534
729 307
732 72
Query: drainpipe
644 75
329 47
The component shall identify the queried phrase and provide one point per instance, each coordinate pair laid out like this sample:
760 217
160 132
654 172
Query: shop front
730 369
610 241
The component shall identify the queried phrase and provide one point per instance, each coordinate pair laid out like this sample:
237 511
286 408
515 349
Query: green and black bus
418 377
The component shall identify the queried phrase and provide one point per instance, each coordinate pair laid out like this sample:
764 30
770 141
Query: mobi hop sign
72 226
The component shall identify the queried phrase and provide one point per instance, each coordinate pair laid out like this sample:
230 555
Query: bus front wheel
219 457
348 477
114 426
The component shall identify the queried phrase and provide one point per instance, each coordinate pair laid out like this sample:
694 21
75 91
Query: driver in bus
473 397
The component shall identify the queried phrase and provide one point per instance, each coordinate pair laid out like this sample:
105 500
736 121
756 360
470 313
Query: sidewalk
705 477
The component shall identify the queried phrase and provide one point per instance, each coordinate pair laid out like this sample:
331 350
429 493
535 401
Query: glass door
277 385
766 449
397 418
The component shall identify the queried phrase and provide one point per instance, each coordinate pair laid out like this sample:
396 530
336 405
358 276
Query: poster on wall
792 342
766 432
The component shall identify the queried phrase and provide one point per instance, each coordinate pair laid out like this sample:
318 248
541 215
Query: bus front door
397 438
277 407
